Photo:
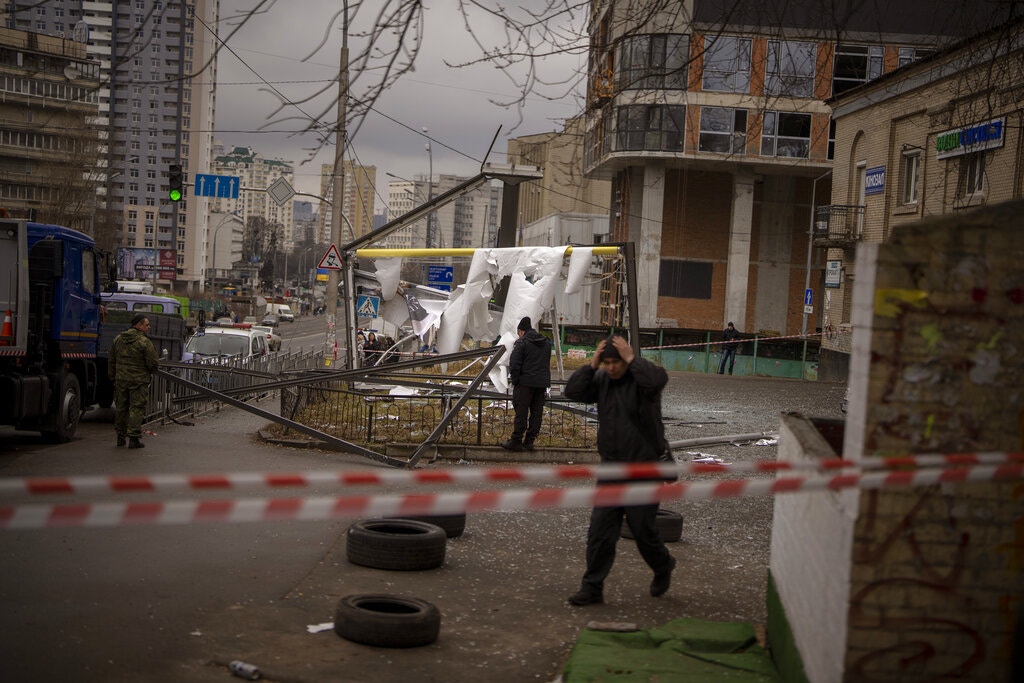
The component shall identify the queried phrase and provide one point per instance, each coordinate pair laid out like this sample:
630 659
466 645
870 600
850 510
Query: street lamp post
431 223
216 233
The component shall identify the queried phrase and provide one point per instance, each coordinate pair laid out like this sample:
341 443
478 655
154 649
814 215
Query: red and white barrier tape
279 480
35 516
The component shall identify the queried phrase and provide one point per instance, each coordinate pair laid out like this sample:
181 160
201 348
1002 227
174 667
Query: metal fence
242 379
371 415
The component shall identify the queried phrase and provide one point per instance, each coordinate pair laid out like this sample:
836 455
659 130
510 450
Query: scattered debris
320 628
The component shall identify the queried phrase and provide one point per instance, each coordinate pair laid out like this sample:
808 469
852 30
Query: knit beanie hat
525 325
610 352
137 318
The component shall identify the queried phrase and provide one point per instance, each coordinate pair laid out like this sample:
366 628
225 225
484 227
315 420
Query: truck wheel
69 410
387 620
399 544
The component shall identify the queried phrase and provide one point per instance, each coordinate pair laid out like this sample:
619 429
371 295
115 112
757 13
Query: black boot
135 442
121 440
512 445
528 445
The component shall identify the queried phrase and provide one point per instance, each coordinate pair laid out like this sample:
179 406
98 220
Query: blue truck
50 303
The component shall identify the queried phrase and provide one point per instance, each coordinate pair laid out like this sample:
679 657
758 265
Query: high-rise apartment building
470 221
357 207
255 174
156 104
48 143
709 118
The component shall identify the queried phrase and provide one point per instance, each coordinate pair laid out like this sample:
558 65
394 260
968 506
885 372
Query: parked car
273 340
241 342
270 320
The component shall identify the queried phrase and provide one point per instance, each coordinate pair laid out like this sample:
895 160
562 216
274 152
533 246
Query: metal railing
839 224
370 415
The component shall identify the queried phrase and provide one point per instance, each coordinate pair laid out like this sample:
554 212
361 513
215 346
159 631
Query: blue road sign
440 277
808 297
367 306
223 186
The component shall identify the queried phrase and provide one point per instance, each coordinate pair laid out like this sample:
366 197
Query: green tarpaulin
690 650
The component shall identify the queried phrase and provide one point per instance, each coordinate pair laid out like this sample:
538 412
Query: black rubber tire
453 525
68 410
387 620
399 544
668 522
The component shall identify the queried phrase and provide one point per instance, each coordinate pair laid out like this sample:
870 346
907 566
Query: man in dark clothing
730 335
132 361
627 390
529 369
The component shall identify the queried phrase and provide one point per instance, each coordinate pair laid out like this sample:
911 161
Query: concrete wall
812 535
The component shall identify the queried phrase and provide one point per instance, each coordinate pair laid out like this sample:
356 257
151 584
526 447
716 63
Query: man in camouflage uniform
132 362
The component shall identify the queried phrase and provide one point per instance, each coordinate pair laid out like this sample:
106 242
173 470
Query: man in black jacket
529 369
730 339
627 390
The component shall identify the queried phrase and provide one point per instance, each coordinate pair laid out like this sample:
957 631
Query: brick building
939 136
709 118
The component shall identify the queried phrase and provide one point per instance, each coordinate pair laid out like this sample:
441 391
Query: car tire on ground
399 544
387 620
453 525
669 524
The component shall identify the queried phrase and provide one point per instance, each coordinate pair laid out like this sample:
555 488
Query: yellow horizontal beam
417 253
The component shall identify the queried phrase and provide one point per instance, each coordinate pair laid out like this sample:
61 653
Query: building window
685 279
855 65
972 174
723 130
654 127
909 55
910 172
786 135
727 64
790 68
831 138
653 61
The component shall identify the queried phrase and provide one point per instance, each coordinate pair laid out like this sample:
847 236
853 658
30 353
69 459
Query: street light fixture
216 233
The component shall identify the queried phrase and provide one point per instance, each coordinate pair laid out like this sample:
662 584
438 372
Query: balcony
838 225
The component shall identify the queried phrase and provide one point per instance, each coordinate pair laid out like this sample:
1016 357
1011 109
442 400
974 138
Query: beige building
357 207
564 188
939 136
49 146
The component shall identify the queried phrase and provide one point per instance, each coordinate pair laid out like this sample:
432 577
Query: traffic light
177 183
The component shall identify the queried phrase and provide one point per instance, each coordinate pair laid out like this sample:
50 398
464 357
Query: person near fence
529 369
730 337
371 350
132 362
627 390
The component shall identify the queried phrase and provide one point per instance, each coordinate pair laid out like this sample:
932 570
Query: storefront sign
874 180
954 143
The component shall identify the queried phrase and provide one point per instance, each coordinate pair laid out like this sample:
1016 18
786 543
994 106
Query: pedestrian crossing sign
367 306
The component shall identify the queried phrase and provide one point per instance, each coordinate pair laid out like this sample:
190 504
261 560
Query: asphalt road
178 603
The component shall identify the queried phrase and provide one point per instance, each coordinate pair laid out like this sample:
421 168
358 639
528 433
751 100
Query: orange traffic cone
7 331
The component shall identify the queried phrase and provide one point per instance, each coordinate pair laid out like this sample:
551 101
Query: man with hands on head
627 390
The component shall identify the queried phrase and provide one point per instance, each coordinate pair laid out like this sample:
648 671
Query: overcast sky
453 104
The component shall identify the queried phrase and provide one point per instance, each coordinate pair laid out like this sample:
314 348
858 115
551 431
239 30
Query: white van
282 311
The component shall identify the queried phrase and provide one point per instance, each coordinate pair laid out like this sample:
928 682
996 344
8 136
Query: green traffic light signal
176 181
